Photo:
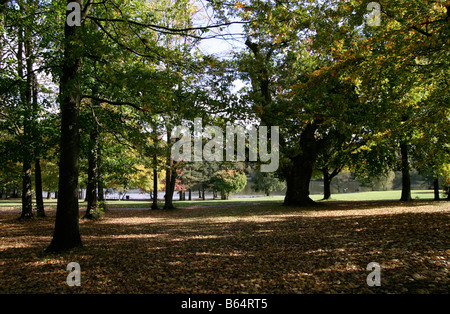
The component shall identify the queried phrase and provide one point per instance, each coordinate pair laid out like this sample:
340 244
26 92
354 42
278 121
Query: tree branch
417 29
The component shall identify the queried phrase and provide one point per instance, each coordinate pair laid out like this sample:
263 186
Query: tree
295 88
229 181
23 63
267 182
66 234
397 66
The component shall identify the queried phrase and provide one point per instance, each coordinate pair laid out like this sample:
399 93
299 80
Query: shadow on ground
252 249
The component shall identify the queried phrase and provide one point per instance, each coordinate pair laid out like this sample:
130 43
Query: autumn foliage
261 248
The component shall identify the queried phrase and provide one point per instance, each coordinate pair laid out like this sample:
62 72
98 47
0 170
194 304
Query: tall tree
66 234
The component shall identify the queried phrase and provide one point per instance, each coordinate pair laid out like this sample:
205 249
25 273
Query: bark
155 188
326 184
327 177
406 179
171 189
100 183
38 187
25 93
436 189
190 194
66 233
155 171
37 150
298 175
170 174
101 193
91 188
27 205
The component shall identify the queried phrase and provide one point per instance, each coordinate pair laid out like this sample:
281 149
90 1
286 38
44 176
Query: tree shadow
258 252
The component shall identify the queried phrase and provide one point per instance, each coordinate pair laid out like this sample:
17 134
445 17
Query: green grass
379 195
359 196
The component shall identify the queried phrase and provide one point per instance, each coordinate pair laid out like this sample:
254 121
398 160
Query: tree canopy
99 99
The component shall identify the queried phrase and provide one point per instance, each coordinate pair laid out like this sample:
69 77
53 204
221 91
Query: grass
240 248
359 196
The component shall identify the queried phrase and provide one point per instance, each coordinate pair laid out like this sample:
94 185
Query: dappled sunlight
253 249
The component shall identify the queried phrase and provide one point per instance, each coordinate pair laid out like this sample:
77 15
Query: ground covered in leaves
258 248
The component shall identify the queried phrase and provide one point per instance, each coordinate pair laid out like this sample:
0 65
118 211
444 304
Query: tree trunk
326 184
38 187
100 184
91 188
298 176
25 94
37 149
436 189
100 187
327 177
67 234
223 195
155 187
170 174
169 199
406 179
27 200
155 170
190 194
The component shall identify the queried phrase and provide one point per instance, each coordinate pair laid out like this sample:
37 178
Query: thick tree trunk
169 194
297 183
67 234
298 176
436 189
190 194
406 179
170 174
38 187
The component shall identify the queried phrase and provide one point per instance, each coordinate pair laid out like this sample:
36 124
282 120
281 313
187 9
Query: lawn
239 248
7 205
